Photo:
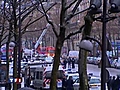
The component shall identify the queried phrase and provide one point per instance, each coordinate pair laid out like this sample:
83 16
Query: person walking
117 83
65 62
109 85
70 83
73 63
69 62
112 83
28 81
64 83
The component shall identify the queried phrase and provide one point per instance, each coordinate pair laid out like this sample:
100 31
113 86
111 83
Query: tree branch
80 12
47 9
47 18
28 8
70 4
31 23
36 30
72 34
36 19
76 6
24 17
73 11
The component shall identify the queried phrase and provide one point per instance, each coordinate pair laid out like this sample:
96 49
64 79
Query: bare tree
67 12
11 16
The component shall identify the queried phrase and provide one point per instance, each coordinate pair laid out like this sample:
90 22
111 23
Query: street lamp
87 45
11 44
115 8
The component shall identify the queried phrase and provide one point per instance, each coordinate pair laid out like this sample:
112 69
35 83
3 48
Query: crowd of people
67 84
114 83
70 61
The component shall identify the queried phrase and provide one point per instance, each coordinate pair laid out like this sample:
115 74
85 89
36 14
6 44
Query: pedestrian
9 86
73 63
109 83
25 57
64 83
112 83
70 83
28 81
69 62
65 62
117 83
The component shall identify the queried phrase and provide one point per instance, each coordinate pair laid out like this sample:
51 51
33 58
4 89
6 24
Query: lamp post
103 61
87 45
95 9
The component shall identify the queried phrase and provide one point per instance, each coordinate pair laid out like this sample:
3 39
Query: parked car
90 60
94 83
49 59
117 63
93 60
74 76
113 64
96 60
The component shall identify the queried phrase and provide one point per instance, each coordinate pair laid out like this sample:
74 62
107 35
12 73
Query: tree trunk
56 63
68 45
7 61
82 64
15 63
72 41
59 44
83 71
7 53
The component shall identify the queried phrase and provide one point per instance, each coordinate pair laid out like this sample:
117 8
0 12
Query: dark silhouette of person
64 63
112 83
69 62
117 83
25 57
64 83
28 81
73 63
70 83
109 83
8 86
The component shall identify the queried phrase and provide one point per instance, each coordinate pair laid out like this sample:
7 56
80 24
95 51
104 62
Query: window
92 81
41 75
37 75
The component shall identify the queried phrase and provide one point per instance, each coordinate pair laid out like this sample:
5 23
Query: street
94 69
90 69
